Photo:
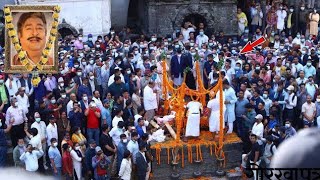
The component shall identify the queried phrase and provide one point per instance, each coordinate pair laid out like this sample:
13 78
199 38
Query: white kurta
230 95
193 123
76 161
282 14
149 99
214 119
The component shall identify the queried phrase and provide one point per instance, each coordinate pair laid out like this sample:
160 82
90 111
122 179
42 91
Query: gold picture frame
11 53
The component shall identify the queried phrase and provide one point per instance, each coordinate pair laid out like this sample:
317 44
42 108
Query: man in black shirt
108 147
253 156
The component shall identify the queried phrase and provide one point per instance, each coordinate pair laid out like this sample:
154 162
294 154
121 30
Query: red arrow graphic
249 46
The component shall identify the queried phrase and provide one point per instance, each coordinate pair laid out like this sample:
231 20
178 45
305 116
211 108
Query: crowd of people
92 118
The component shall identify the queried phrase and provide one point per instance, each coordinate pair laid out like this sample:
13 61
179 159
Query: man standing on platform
230 101
193 111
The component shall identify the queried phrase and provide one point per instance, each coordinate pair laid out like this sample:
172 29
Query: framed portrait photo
31 41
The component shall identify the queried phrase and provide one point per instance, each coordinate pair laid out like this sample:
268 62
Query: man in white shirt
12 85
117 72
116 131
301 78
309 111
19 116
201 38
73 98
133 146
150 101
42 131
30 158
25 81
257 128
50 83
23 100
52 131
96 99
291 103
117 118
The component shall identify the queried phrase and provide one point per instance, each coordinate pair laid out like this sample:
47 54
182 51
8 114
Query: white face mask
85 98
53 101
55 144
70 148
80 38
265 96
146 123
287 125
77 148
63 96
125 140
61 84
129 72
16 104
91 77
79 73
84 63
38 119
91 61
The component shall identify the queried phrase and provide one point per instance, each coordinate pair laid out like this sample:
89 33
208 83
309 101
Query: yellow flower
45 52
9 26
55 15
40 67
24 62
55 23
12 33
7 10
17 47
53 31
52 38
29 67
44 60
8 18
15 40
21 54
49 45
57 8
35 81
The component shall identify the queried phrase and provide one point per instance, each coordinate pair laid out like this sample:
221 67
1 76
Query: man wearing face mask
19 116
309 70
23 100
93 121
89 67
201 38
84 88
78 44
78 78
90 153
42 131
17 152
291 24
314 21
89 41
176 67
121 148
55 158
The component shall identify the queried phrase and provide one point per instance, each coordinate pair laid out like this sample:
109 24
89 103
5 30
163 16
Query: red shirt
67 166
93 121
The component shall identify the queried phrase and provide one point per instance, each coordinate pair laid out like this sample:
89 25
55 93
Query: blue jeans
58 175
3 156
93 134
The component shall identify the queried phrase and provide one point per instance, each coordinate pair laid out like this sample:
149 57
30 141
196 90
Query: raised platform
163 168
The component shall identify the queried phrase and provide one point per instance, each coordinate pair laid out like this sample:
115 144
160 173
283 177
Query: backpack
102 167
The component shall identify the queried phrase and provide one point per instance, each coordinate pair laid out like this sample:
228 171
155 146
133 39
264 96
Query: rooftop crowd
92 118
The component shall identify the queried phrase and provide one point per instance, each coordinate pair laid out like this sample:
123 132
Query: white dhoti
178 81
193 125
214 121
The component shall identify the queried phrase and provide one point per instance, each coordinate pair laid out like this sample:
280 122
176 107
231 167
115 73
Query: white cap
290 88
259 116
60 79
